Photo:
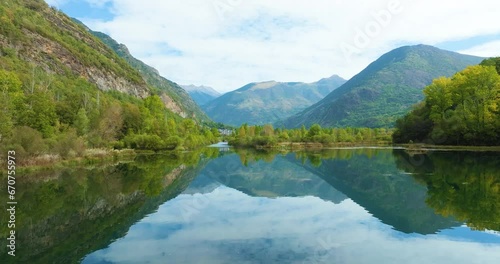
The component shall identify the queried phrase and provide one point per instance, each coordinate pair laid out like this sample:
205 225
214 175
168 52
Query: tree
268 130
111 123
12 97
463 109
315 130
438 96
81 122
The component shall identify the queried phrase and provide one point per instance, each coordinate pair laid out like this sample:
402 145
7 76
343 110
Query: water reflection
65 214
353 206
465 185
336 206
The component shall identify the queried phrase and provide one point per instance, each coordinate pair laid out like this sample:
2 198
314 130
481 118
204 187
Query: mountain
375 182
34 35
64 90
385 90
201 94
46 38
173 95
272 177
268 102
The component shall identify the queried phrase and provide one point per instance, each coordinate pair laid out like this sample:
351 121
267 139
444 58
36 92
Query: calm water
211 206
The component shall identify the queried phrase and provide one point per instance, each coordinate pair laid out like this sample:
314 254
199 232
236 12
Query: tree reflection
465 185
70 212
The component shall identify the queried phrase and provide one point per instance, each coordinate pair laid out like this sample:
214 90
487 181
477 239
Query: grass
90 157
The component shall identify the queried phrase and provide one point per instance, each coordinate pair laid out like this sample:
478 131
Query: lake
364 205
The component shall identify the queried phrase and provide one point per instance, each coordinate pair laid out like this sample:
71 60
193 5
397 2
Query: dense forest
461 110
268 137
65 94
44 114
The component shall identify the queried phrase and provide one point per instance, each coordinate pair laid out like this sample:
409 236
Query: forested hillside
64 91
173 96
385 90
268 102
461 110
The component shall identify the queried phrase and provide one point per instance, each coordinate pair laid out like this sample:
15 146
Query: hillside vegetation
461 110
268 102
385 90
64 91
173 96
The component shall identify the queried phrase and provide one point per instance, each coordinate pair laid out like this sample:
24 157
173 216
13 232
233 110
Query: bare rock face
172 105
109 81
55 56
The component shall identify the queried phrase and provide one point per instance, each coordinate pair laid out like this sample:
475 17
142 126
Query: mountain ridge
384 90
173 95
201 94
268 102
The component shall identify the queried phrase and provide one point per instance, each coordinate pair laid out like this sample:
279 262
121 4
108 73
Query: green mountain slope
268 102
63 91
175 98
32 34
385 90
201 94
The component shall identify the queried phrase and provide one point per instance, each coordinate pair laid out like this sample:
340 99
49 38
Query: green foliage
495 62
81 122
89 207
69 145
52 99
462 110
27 142
68 114
266 137
12 96
464 185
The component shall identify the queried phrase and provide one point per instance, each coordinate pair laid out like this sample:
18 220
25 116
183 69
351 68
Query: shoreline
91 157
379 145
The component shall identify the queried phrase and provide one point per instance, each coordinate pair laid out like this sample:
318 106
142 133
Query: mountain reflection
215 206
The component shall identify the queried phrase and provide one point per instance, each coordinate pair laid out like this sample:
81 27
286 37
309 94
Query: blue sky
85 9
229 43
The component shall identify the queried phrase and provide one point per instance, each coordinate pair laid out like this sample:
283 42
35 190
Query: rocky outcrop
91 60
172 105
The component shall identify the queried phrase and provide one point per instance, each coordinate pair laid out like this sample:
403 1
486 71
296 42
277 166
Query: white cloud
228 43
488 49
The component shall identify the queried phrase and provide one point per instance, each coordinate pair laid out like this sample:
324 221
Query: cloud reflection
233 227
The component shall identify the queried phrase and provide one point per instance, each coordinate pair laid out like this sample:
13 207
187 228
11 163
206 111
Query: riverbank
292 146
318 146
428 147
51 161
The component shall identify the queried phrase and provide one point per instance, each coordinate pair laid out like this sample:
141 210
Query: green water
211 206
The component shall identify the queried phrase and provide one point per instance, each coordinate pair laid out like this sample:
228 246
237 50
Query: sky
226 44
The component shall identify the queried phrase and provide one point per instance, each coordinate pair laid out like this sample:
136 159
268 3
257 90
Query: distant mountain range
385 90
201 94
268 102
